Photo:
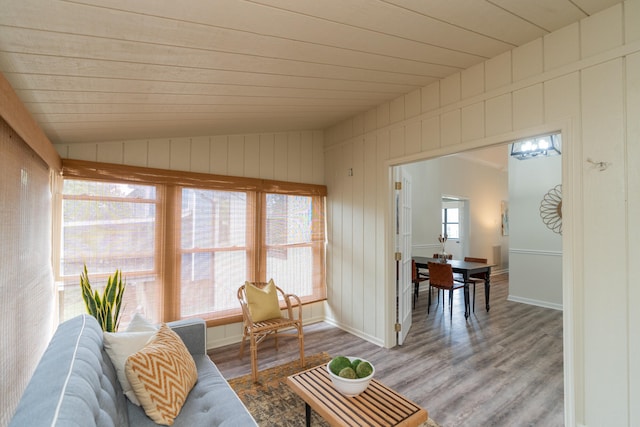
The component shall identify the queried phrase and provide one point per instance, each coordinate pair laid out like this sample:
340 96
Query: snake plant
105 308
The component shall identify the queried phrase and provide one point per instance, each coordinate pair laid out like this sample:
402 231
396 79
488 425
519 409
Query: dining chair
475 278
416 278
262 317
441 277
437 256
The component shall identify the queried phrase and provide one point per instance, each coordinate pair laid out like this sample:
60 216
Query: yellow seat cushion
263 303
162 374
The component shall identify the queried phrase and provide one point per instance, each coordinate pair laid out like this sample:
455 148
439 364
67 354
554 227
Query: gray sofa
75 384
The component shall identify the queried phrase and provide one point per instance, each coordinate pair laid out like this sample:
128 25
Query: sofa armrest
193 332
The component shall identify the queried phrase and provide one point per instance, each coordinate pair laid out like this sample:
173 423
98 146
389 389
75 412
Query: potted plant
105 308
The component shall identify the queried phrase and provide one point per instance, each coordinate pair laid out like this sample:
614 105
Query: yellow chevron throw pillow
162 374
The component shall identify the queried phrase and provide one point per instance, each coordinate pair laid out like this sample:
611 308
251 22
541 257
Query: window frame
170 183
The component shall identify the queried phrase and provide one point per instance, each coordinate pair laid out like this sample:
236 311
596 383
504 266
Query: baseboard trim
544 304
359 334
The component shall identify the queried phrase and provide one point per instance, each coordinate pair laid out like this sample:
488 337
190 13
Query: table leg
466 301
307 412
487 288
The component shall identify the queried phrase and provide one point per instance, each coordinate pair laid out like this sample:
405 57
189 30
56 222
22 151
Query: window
451 222
215 250
294 243
110 226
186 242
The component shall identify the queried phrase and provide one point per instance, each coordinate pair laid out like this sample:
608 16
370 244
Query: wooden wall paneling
318 157
602 31
631 19
336 245
498 114
281 156
430 97
396 142
135 153
110 152
218 164
293 156
235 155
382 115
180 149
358 234
527 60
497 71
450 129
605 326
200 154
450 89
381 262
562 47
412 103
369 243
472 122
430 133
84 151
371 120
267 159
347 234
633 218
396 110
252 156
63 150
159 154
528 106
472 81
562 97
413 137
306 157
357 125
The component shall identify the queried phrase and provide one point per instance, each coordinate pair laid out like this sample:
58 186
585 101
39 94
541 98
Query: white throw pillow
120 345
139 323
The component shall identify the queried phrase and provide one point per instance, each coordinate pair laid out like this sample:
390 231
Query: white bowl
351 387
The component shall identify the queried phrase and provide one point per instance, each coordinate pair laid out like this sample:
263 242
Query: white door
404 287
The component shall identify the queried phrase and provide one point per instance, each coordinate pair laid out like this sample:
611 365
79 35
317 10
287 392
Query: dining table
466 269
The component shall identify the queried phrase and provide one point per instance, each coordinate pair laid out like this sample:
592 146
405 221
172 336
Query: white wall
535 253
483 186
584 80
292 156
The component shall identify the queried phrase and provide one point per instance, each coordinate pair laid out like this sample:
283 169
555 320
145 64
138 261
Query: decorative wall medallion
551 209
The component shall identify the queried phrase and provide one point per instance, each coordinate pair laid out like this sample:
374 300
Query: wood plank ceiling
102 70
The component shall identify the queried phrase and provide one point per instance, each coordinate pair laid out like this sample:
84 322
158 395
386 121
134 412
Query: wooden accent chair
416 278
258 329
475 278
441 277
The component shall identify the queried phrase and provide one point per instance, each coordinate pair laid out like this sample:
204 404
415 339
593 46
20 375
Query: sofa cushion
211 402
162 375
74 383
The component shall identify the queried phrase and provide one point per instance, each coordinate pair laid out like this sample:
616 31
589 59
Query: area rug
272 403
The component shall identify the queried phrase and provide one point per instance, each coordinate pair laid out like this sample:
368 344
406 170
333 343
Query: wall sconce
537 146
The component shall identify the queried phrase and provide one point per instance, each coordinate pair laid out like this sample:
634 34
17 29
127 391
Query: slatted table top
378 405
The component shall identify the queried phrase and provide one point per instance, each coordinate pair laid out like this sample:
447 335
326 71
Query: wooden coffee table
378 405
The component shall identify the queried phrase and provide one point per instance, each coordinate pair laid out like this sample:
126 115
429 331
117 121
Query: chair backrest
244 304
440 275
480 260
449 256
414 271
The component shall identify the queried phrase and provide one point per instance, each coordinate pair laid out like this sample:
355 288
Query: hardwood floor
501 368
